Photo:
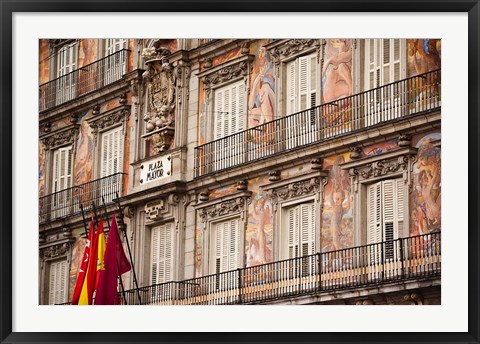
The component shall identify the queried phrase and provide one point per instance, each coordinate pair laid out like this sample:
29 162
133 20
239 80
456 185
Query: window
114 65
300 231
301 95
61 180
225 252
66 64
385 216
229 119
111 163
162 253
384 64
57 287
300 240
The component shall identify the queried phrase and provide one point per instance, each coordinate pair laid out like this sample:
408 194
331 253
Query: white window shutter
374 213
304 88
58 282
400 207
219 115
291 87
162 253
388 210
227 255
307 228
62 169
241 115
112 152
293 235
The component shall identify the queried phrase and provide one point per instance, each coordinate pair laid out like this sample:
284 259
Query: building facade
245 171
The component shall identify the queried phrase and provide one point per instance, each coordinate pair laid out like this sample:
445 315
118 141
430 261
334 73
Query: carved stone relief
60 138
55 251
237 205
290 48
160 81
295 189
109 119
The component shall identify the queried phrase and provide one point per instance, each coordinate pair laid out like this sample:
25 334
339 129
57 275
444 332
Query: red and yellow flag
83 265
88 287
101 244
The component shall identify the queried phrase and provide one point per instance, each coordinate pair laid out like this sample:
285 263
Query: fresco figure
425 54
258 250
337 229
261 101
426 196
337 80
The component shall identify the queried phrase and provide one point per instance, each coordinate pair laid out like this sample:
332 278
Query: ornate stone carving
96 110
355 152
60 138
161 139
384 167
404 140
203 196
290 48
160 88
242 185
274 176
227 73
122 100
317 164
55 251
109 119
304 187
224 208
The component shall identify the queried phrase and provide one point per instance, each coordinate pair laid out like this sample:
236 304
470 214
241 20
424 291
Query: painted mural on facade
425 198
44 65
337 217
77 255
84 153
41 170
424 55
381 147
259 232
337 84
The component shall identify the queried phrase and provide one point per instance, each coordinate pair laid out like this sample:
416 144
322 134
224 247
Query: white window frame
105 149
58 285
302 93
286 240
61 181
230 103
380 69
115 66
162 253
66 63
213 266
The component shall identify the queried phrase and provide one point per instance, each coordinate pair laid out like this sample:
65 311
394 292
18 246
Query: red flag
83 265
116 264
88 288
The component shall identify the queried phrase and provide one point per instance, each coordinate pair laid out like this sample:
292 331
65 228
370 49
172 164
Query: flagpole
128 246
84 221
108 224
95 214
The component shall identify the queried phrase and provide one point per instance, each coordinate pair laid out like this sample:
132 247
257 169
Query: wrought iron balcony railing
83 80
386 262
68 202
347 115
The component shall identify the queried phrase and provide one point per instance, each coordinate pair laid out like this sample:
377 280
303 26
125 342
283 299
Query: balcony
70 201
358 112
393 261
83 80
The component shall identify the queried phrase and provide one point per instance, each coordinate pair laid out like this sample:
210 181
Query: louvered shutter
301 230
114 66
374 213
291 87
112 152
304 77
219 115
58 282
227 255
293 232
62 169
66 63
162 253
384 58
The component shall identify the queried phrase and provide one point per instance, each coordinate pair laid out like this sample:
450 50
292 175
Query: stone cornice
56 250
236 203
286 49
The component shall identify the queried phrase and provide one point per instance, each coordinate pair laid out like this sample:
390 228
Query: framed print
208 172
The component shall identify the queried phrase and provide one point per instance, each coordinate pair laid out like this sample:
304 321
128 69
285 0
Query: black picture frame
9 7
